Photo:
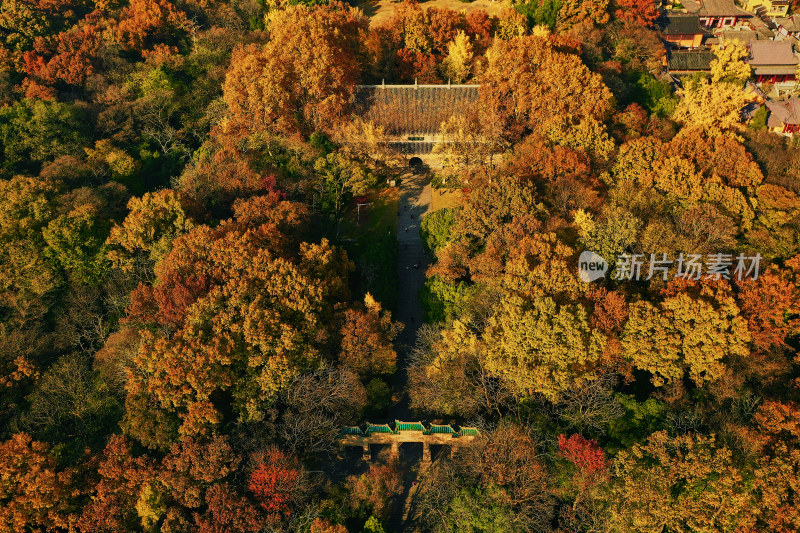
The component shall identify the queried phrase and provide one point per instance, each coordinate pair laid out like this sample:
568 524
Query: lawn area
381 10
371 243
442 198
378 217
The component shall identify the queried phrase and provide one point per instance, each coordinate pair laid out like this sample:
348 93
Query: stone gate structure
403 432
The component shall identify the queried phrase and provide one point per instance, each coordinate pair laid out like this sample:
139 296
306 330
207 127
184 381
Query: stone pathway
412 261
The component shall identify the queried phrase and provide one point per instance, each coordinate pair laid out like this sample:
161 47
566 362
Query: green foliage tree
75 241
71 406
436 228
340 179
654 95
540 13
638 421
34 132
442 299
476 510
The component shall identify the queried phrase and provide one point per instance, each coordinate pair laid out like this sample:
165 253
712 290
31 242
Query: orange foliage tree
527 82
310 65
70 59
145 23
121 478
775 438
34 494
242 318
642 12
367 340
769 303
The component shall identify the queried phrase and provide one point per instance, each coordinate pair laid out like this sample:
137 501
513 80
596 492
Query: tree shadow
369 7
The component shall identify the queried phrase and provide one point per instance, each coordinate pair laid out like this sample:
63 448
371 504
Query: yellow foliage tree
711 107
154 221
582 12
528 82
457 66
511 24
683 484
541 347
589 135
678 178
685 334
730 62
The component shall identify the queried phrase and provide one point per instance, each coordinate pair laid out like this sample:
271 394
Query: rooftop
715 8
744 36
772 53
412 109
790 23
681 24
785 111
690 60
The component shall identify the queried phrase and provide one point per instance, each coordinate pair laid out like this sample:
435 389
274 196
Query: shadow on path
412 261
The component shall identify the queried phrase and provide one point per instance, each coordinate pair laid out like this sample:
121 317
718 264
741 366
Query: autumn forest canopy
199 289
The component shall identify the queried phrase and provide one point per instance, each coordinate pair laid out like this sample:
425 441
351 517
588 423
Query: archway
415 163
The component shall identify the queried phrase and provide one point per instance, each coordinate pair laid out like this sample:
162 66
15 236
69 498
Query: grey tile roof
681 24
690 60
413 109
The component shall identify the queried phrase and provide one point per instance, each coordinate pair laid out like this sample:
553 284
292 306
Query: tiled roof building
412 115
413 110
717 13
689 61
789 26
773 61
784 115
682 30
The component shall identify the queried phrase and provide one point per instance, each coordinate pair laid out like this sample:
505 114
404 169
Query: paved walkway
414 202
412 261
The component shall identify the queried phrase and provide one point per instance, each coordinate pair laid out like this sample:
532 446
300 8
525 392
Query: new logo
591 266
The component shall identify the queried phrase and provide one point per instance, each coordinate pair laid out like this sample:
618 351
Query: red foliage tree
69 58
228 512
587 456
274 482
